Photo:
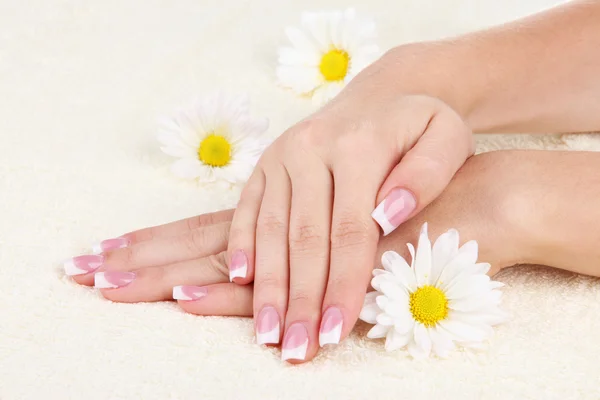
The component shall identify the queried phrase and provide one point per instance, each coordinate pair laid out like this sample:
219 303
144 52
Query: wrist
446 70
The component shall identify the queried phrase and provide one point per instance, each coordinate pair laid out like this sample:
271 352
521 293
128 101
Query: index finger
163 231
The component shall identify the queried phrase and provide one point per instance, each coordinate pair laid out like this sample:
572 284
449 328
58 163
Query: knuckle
123 256
306 135
195 241
350 232
199 220
268 282
271 224
299 296
218 263
307 237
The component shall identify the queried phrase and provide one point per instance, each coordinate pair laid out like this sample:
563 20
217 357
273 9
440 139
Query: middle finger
310 220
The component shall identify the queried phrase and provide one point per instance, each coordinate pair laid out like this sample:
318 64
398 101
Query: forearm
538 74
563 203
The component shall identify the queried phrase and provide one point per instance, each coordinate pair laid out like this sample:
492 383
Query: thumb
425 170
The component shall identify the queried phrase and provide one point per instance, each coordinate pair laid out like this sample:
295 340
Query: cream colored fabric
81 85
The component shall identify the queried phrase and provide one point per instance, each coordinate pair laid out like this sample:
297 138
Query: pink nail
189 293
81 265
110 245
331 327
394 209
238 267
295 342
113 279
267 326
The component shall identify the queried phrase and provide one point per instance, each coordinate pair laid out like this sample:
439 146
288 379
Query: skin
517 193
311 243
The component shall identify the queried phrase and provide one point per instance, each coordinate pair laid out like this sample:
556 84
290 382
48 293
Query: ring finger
271 260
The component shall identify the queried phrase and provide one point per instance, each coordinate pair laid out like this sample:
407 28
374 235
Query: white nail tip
379 216
271 337
238 273
331 337
178 294
72 270
100 282
97 248
297 353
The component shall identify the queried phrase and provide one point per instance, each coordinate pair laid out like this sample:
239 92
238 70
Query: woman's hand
489 200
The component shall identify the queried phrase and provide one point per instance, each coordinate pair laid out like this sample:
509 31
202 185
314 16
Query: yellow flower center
334 65
215 151
428 305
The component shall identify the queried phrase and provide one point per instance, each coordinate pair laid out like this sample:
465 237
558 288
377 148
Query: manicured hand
303 230
188 258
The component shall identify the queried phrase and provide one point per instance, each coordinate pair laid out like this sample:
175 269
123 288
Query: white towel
81 85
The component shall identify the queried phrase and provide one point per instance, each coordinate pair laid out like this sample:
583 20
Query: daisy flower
329 50
443 299
215 139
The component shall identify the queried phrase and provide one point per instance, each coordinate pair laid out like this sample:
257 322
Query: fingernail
331 327
113 279
81 265
238 267
189 292
267 326
295 343
394 209
110 244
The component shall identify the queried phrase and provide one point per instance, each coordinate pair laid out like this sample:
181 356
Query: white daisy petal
382 302
466 257
369 312
178 151
396 308
461 288
441 342
397 265
378 331
385 320
298 78
392 290
326 92
404 322
395 340
187 168
422 338
416 351
444 250
294 57
411 250
423 258
301 41
317 25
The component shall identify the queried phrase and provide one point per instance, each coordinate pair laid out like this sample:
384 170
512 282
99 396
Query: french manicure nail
394 209
267 326
238 267
295 342
110 244
113 279
331 327
81 265
189 292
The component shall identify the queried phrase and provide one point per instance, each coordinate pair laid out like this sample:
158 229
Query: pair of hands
304 232
484 201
